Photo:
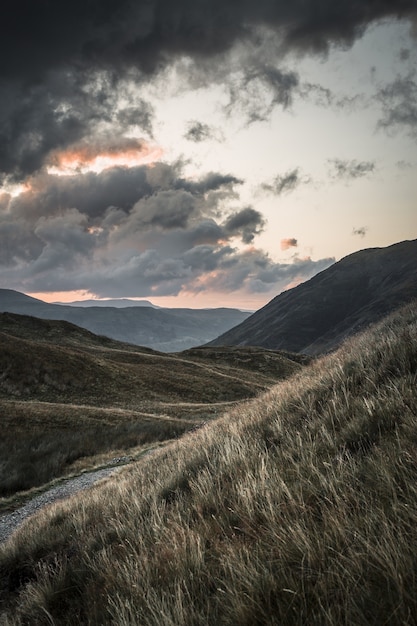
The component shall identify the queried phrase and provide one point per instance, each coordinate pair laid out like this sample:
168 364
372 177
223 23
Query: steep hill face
168 330
319 314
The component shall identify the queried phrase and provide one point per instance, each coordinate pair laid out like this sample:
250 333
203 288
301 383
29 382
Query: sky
202 153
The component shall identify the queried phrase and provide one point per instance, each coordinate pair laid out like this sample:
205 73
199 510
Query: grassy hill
66 394
316 316
297 507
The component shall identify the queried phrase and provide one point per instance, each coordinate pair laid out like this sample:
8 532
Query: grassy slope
317 315
66 395
299 507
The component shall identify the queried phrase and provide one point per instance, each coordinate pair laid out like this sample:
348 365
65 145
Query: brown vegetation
298 507
67 395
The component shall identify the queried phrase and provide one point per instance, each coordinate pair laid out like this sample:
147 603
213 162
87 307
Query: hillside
66 393
298 507
167 330
318 315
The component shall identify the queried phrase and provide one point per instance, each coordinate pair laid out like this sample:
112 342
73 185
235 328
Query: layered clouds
66 69
142 231
89 199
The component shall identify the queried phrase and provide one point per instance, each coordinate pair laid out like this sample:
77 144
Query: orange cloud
82 158
288 243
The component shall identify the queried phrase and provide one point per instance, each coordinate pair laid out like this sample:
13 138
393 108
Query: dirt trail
9 522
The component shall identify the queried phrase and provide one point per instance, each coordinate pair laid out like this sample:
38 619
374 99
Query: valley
68 397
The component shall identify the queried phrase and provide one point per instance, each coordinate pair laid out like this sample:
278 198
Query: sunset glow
16 190
135 163
62 297
81 160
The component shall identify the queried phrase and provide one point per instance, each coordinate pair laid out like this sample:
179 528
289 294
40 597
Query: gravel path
10 521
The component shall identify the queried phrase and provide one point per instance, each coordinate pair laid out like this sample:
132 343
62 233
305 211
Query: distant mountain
319 314
119 303
167 330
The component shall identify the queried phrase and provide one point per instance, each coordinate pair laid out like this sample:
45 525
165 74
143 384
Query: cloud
360 232
166 209
91 193
399 105
255 272
149 34
258 89
168 236
404 54
73 65
325 97
199 132
284 183
350 169
248 222
213 181
64 110
286 244
139 115
101 153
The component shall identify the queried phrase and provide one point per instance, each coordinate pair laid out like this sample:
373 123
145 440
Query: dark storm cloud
66 108
90 193
399 105
345 169
18 243
161 241
62 65
284 183
210 182
60 223
247 223
119 187
56 214
66 238
146 34
165 209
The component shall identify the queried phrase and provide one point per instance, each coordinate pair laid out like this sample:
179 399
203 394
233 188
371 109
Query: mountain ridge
166 330
317 315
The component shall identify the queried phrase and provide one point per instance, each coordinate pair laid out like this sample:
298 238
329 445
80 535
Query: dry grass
67 396
299 507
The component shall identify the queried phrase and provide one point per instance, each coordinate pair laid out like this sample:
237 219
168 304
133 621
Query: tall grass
48 441
299 507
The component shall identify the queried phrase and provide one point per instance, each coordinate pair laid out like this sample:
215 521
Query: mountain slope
348 296
66 395
299 507
169 330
